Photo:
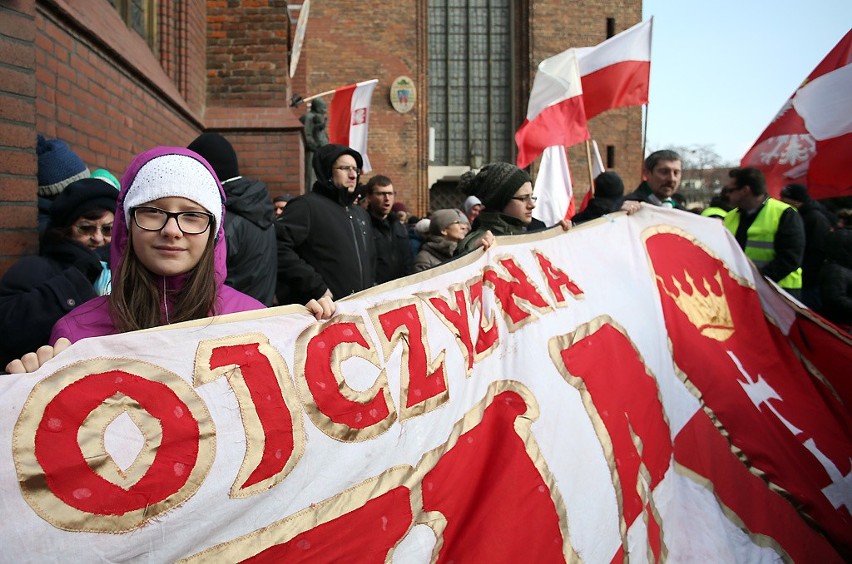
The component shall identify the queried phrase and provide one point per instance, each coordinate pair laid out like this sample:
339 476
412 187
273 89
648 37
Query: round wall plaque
403 94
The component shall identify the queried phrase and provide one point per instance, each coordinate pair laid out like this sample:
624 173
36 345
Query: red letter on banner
488 334
497 504
423 387
456 320
557 280
335 408
257 374
64 452
599 360
510 291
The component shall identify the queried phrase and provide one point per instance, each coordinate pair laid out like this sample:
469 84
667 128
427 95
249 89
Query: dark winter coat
836 278
597 207
252 254
496 222
325 242
817 227
38 291
393 248
643 193
436 250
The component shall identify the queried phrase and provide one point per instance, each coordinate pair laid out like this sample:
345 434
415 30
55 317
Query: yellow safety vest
760 238
714 211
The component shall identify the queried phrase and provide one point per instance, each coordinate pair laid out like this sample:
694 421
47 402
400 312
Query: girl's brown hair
136 300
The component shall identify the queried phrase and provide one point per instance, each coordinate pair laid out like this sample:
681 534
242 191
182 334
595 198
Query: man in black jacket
390 237
662 174
325 243
249 228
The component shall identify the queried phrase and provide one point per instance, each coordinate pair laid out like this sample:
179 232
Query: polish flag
555 114
597 168
553 187
617 72
349 116
810 140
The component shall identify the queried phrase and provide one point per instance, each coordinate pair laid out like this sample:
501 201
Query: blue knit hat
58 166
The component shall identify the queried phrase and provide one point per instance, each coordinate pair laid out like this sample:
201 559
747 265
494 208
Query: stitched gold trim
758 539
487 326
252 425
555 347
317 514
342 351
55 388
552 273
412 402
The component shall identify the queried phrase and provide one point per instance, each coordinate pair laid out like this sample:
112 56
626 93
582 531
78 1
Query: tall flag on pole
349 116
810 140
555 114
553 187
617 72
597 169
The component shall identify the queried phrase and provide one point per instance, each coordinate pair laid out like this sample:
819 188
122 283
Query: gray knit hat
494 184
441 219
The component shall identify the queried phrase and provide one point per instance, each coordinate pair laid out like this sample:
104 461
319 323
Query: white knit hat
170 176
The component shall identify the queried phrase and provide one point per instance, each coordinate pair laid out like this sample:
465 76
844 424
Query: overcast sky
721 69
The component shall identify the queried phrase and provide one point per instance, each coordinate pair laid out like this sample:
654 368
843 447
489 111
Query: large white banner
607 392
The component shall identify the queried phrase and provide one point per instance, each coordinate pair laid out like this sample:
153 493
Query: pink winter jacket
92 319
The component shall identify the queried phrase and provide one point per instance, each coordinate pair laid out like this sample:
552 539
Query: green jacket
496 222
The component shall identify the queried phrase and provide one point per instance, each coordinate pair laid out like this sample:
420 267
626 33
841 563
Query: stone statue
315 121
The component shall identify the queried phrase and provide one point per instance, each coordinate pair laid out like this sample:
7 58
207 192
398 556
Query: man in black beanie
325 245
609 188
249 230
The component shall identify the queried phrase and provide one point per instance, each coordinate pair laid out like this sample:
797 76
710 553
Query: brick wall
350 42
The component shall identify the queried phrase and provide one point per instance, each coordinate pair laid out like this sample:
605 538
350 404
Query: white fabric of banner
607 261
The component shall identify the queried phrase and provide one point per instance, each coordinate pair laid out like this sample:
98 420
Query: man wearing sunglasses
769 231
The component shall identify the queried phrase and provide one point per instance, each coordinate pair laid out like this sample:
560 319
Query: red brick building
114 77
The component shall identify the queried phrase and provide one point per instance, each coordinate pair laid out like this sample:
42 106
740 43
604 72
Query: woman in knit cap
168 254
38 290
58 167
446 229
507 198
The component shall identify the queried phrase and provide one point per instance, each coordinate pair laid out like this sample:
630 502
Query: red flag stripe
340 115
560 124
622 84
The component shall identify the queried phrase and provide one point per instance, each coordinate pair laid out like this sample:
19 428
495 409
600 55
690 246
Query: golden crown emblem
706 310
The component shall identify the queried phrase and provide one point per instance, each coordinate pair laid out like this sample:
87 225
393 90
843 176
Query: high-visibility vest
760 238
714 211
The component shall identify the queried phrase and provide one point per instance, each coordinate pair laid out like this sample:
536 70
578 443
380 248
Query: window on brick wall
141 17
470 66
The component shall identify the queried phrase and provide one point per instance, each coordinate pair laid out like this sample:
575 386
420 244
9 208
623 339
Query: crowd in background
185 235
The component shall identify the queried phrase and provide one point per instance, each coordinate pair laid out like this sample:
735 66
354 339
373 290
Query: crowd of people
185 236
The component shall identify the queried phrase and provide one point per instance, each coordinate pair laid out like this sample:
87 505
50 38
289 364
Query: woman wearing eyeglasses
38 290
508 202
168 254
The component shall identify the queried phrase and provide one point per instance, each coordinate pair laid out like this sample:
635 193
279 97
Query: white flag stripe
825 104
633 44
359 127
557 79
597 163
553 186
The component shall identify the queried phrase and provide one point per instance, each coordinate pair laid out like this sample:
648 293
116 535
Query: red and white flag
616 73
555 114
810 139
553 187
597 168
349 117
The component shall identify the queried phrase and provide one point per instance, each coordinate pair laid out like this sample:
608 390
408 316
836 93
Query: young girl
168 255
